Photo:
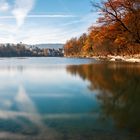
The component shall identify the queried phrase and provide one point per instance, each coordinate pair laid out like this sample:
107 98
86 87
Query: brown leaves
119 28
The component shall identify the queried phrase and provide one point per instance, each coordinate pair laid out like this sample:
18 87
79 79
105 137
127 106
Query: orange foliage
118 33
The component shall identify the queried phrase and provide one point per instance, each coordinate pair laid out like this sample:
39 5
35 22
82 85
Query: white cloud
50 33
51 16
54 28
22 9
40 28
42 16
4 6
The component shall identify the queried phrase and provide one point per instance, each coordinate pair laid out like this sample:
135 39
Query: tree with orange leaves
124 12
117 33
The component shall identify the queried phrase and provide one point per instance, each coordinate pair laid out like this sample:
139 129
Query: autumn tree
124 12
74 46
117 32
70 47
81 41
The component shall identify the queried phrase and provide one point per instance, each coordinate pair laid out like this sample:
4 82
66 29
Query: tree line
117 32
22 50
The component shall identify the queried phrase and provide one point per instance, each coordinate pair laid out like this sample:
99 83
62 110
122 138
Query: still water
69 99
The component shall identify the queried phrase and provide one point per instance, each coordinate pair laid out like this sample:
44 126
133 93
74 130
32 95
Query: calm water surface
69 99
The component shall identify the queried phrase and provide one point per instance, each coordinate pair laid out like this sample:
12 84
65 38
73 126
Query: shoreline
112 58
130 59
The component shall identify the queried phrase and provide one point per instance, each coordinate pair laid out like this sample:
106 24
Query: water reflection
52 101
118 85
26 123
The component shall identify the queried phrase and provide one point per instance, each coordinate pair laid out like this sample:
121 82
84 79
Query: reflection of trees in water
119 86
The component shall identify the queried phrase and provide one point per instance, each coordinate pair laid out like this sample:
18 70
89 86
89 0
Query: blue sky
44 21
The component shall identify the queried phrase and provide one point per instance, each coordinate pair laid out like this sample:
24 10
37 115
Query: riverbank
131 59
117 58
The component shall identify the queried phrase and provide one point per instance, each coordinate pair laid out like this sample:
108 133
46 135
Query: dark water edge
69 99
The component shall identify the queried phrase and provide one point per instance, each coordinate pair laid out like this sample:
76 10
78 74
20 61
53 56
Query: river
69 99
